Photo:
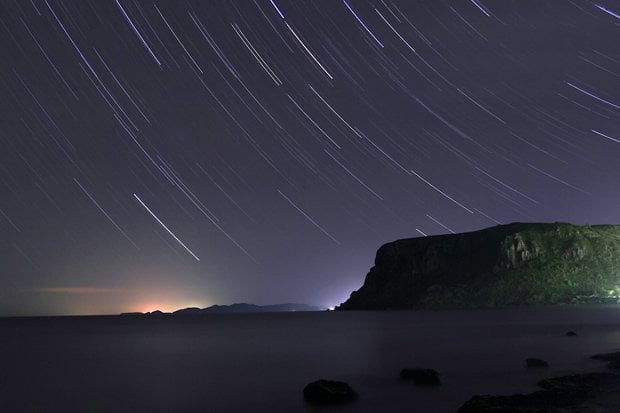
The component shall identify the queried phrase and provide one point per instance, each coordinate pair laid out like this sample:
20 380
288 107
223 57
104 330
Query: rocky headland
507 265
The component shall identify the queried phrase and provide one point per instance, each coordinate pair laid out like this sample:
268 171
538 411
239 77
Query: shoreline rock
558 394
612 359
573 393
535 363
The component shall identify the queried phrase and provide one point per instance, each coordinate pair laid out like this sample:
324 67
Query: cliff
506 265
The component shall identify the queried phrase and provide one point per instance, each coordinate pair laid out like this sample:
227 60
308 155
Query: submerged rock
614 356
570 334
328 392
536 363
421 377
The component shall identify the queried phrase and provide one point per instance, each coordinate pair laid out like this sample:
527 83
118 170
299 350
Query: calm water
261 362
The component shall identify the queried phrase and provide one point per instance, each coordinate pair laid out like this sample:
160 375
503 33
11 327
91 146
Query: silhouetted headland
234 308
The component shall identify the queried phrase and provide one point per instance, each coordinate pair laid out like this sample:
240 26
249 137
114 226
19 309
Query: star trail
199 152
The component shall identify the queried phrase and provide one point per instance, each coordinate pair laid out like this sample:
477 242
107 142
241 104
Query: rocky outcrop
559 394
515 264
535 363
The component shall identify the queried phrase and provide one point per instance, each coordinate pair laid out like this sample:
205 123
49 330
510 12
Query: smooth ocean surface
261 362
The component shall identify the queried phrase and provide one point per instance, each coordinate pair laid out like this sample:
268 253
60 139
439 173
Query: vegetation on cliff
506 265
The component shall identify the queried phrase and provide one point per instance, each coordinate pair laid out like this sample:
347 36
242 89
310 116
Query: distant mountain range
508 265
235 308
249 308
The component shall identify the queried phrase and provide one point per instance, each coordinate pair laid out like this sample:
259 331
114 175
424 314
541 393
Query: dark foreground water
261 362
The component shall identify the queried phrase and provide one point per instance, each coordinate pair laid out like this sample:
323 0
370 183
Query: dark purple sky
175 153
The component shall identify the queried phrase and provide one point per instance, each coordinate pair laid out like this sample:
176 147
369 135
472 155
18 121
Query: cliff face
515 264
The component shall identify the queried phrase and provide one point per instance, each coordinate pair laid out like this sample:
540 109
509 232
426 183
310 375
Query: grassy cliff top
514 264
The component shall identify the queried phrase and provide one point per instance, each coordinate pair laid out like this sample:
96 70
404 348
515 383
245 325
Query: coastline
585 392
597 391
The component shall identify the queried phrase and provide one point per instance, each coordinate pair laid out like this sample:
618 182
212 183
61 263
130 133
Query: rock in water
421 377
515 264
536 363
570 334
328 392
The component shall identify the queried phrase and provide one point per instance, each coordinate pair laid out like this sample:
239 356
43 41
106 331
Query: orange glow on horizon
163 294
166 307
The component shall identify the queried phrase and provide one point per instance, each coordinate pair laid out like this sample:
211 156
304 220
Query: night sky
186 153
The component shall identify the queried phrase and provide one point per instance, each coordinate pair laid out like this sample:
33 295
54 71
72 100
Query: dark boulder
328 392
421 377
536 363
570 334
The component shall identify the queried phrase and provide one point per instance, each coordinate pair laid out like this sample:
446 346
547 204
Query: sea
261 362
